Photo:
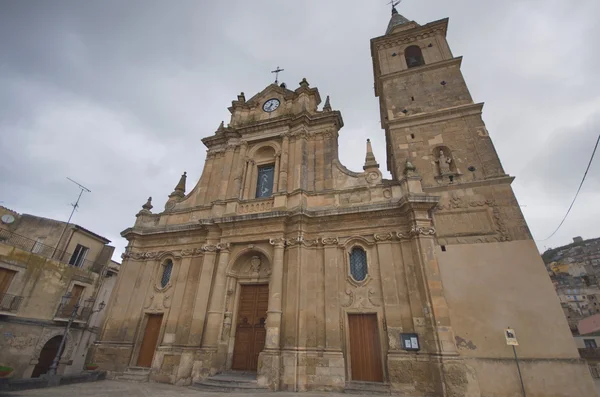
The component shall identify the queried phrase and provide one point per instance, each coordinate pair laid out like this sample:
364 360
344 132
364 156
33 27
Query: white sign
511 337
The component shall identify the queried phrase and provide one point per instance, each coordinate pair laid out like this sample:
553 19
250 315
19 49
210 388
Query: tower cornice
407 36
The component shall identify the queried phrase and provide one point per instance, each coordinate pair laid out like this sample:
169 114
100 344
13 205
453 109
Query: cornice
144 231
502 180
288 121
438 115
430 66
411 34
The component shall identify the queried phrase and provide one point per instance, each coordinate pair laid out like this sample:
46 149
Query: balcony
9 304
589 353
65 311
26 244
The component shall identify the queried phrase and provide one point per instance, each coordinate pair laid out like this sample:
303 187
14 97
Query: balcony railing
589 352
84 311
10 303
35 247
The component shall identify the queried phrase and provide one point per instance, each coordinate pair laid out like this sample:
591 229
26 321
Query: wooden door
46 357
365 350
76 293
150 340
6 277
250 330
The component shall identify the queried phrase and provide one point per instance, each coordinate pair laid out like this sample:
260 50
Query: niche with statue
445 165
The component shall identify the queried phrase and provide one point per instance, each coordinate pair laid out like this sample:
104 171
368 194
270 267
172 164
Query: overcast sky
117 94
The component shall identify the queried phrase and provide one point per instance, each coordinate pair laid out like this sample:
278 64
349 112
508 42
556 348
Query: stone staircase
367 388
135 374
231 381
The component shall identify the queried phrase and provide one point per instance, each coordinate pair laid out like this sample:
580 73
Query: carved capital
277 242
224 247
383 236
210 248
424 231
330 241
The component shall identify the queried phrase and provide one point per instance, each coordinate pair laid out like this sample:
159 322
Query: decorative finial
148 205
146 208
180 188
327 106
221 126
410 169
304 83
277 71
370 161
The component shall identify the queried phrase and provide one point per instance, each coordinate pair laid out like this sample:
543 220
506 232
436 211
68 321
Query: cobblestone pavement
131 389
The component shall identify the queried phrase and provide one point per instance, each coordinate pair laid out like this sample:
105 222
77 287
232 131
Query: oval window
358 264
166 274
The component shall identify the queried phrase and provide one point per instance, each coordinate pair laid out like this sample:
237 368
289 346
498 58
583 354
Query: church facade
283 262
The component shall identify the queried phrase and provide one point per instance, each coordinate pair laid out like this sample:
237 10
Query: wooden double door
365 349
250 330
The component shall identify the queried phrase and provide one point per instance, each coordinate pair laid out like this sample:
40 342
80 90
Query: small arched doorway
46 357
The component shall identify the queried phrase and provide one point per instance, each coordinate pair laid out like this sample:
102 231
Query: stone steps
367 388
135 374
231 382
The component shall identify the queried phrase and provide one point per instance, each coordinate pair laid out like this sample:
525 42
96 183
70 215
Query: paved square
131 389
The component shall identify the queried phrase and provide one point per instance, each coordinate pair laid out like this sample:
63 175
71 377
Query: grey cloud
117 95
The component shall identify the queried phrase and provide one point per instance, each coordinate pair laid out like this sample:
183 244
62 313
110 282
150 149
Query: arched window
358 264
166 274
414 56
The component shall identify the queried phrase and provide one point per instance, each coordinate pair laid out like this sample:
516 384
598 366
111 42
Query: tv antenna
75 205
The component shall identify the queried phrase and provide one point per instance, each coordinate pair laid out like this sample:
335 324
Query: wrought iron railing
10 303
65 311
35 247
589 352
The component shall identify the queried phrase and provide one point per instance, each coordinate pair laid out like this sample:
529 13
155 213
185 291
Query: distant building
574 270
41 260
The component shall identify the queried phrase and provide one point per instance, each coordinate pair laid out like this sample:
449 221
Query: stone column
283 164
389 289
217 299
201 302
333 337
240 168
247 182
275 295
276 173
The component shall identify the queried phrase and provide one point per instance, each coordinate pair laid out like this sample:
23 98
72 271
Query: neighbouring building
574 270
41 260
282 262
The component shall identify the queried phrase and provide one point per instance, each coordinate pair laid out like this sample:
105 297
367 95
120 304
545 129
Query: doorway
250 331
365 349
150 340
46 357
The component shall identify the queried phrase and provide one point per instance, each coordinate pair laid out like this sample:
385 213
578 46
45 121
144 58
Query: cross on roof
276 71
394 3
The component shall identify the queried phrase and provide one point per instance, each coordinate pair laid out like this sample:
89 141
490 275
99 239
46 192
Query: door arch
46 357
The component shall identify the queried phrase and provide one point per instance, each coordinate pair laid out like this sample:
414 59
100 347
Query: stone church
282 262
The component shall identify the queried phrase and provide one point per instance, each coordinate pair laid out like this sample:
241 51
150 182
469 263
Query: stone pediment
289 103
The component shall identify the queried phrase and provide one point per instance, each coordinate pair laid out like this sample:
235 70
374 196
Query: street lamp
64 301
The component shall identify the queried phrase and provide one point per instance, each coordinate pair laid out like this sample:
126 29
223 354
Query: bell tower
427 111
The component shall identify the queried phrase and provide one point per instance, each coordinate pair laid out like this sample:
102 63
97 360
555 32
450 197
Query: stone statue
444 163
255 264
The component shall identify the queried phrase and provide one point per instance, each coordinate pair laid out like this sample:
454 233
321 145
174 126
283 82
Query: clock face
7 218
271 105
